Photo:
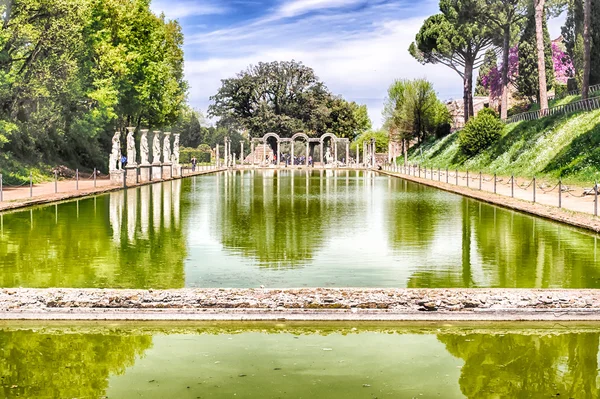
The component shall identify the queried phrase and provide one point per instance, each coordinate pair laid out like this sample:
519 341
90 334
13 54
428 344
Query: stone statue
175 156
114 161
144 147
156 147
167 147
328 157
131 153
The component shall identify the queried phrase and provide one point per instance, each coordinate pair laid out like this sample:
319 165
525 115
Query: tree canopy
285 97
412 110
455 39
74 71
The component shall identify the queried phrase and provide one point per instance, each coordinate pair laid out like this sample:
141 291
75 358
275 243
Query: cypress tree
527 81
595 51
490 61
572 33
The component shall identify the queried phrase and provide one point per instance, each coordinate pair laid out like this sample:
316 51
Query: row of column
229 159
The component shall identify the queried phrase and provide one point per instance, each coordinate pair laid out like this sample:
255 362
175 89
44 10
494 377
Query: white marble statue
167 147
144 147
114 161
175 156
328 157
131 152
156 147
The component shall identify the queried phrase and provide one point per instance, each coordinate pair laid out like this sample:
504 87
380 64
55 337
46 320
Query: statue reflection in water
140 209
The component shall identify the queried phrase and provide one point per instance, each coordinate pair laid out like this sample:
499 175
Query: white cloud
359 67
358 54
182 9
554 25
299 7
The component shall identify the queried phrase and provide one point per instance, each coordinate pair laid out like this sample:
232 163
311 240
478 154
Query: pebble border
300 304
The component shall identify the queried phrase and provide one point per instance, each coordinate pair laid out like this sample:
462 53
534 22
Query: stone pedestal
156 172
132 177
145 171
166 174
116 177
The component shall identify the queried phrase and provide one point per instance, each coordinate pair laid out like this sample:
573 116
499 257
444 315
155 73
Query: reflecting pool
290 229
300 361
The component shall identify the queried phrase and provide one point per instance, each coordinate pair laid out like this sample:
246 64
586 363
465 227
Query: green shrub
442 130
480 132
560 90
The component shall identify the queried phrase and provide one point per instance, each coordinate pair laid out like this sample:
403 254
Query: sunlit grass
552 147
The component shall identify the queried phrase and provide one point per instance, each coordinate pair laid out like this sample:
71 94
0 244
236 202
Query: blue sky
357 47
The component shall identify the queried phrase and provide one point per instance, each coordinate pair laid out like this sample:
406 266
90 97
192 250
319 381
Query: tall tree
505 16
572 33
541 59
528 76
284 97
587 16
412 111
454 39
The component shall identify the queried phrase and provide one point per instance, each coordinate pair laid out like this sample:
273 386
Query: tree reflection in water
281 218
124 239
526 366
37 365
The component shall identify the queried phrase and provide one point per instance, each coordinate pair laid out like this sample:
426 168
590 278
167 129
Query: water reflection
281 218
527 366
282 228
105 241
269 361
342 228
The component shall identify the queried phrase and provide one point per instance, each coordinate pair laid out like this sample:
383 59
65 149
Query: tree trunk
505 53
539 37
468 90
587 19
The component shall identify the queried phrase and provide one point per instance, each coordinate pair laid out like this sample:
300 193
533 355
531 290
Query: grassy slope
567 146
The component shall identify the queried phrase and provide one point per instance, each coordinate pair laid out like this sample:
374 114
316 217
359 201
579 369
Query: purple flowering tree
563 66
493 80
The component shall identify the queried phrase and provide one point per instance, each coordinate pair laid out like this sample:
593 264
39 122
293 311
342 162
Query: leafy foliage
412 110
455 38
381 140
480 132
71 72
490 61
492 81
285 97
201 154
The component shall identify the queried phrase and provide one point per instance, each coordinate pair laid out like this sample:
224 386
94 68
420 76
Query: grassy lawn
566 146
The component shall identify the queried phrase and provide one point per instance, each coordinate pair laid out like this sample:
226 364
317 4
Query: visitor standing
123 161
194 162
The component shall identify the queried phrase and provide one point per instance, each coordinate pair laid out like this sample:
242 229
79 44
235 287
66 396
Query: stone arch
300 134
269 135
330 135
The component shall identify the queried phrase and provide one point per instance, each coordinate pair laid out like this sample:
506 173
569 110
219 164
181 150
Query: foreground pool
290 229
299 361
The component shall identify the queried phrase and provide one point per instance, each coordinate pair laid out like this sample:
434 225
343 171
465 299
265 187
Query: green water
290 229
292 361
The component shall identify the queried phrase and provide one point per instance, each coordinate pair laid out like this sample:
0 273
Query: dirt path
26 195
